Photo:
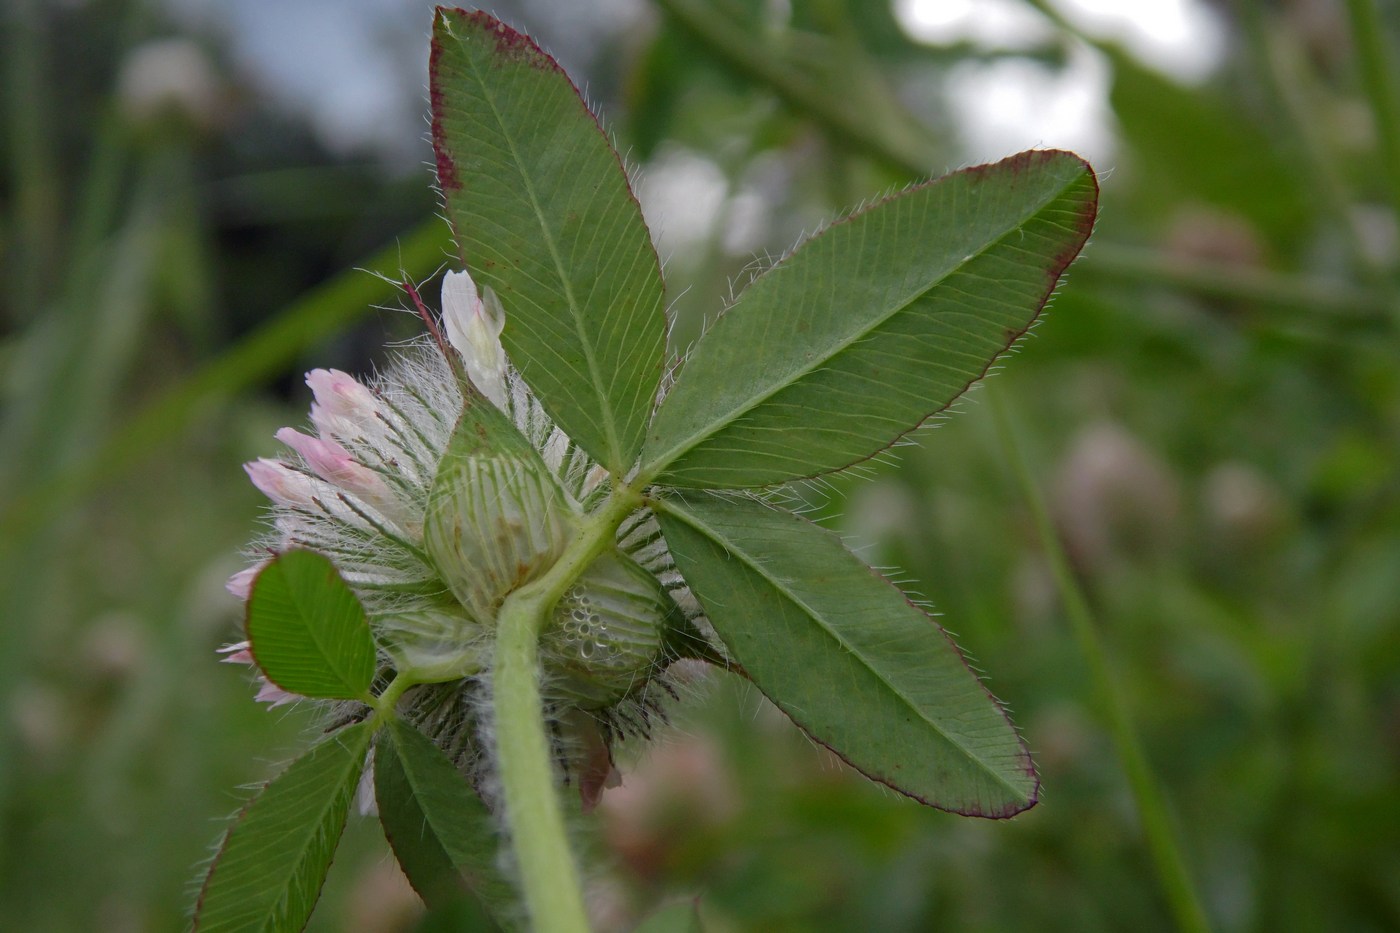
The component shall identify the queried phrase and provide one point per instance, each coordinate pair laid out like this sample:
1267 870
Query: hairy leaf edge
1032 797
518 44
1053 276
237 819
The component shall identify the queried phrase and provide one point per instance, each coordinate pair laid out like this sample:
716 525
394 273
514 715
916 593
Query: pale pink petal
274 696
334 464
365 801
236 653
342 405
280 483
241 583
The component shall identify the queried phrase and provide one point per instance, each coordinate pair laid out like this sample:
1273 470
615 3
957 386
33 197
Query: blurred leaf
437 825
307 630
873 325
1192 143
273 861
842 110
845 654
544 215
683 917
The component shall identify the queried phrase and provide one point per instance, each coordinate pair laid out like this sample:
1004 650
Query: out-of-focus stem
1320 296
1166 853
897 147
1378 77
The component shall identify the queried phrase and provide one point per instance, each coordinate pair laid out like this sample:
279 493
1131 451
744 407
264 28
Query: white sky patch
989 24
1016 103
357 70
351 67
1182 38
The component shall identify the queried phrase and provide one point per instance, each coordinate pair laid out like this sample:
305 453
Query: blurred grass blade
845 654
441 832
269 871
1167 856
873 325
308 631
859 121
543 214
258 356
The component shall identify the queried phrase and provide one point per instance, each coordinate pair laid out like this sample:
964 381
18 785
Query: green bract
607 632
496 517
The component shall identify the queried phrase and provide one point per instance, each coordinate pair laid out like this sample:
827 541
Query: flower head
434 507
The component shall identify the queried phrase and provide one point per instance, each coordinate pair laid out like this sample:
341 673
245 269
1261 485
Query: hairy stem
1166 853
524 761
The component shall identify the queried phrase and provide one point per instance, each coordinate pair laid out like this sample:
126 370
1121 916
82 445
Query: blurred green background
193 197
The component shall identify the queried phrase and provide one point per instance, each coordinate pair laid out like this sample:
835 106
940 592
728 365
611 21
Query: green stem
388 699
1166 853
36 199
524 760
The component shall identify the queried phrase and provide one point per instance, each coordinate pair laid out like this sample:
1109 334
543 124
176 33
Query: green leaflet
543 214
270 868
873 325
440 831
308 631
847 656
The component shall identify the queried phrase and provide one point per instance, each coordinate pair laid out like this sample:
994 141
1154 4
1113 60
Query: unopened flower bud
435 644
282 484
241 583
343 407
274 696
494 523
237 653
474 328
334 464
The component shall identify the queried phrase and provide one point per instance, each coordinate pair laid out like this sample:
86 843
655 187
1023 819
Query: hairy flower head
436 497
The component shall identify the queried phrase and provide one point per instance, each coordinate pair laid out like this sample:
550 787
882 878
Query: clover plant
486 562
